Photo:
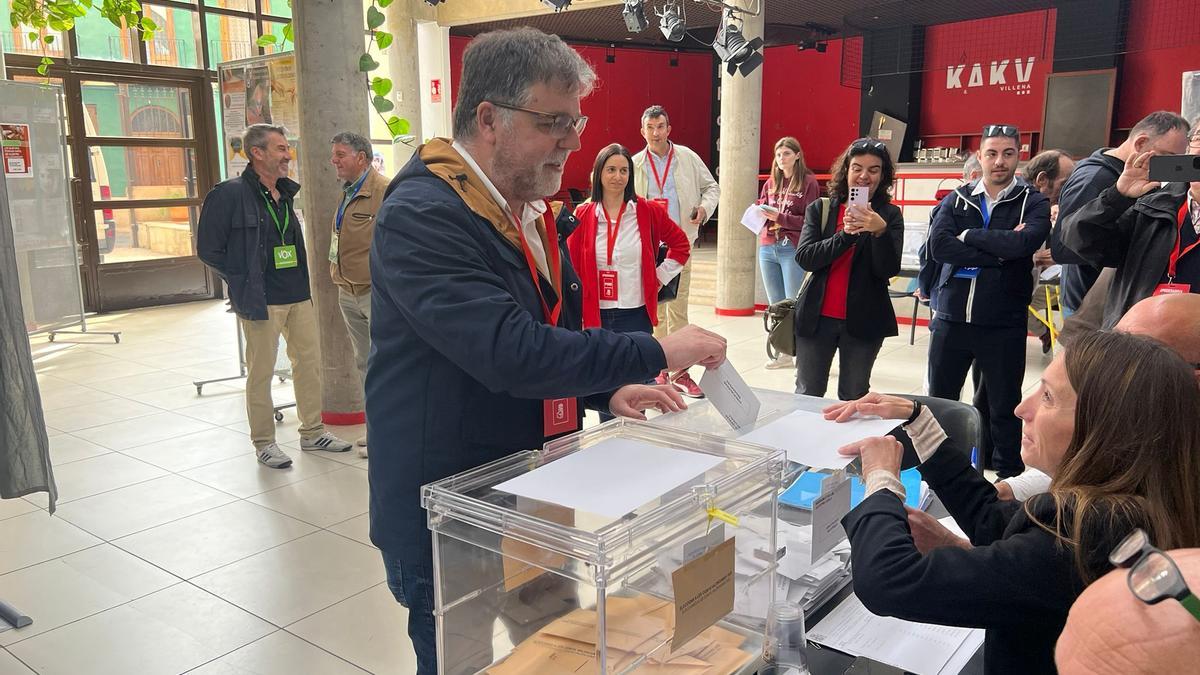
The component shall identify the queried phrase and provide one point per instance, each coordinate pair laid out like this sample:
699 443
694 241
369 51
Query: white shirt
529 218
627 259
981 189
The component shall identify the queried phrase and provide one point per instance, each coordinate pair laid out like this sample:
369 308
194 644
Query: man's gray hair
971 166
255 136
1159 123
501 66
355 142
655 111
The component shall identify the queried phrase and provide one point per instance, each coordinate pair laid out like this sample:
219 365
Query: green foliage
61 15
381 86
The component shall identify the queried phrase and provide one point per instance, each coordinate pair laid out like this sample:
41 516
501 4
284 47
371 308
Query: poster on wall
18 157
1190 106
258 95
283 93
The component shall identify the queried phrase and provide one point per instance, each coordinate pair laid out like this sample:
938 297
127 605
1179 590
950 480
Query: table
702 416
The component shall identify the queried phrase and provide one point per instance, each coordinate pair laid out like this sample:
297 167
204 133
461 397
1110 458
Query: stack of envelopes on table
635 627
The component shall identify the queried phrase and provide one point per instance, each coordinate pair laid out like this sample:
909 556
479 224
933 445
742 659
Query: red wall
635 80
964 111
803 97
1162 43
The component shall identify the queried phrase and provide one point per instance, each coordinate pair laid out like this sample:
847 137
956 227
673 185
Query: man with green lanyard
350 248
250 236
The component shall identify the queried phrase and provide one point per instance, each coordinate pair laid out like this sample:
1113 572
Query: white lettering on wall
997 75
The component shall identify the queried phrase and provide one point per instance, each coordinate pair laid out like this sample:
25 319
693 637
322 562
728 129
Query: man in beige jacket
676 176
350 249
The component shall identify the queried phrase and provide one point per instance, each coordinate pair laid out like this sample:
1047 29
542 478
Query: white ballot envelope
730 394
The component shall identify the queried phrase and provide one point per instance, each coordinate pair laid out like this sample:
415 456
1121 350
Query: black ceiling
787 21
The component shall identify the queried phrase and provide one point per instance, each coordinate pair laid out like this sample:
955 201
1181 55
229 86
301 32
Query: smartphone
1175 168
858 196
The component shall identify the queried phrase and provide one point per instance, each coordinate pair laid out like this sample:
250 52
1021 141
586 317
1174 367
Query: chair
960 421
909 294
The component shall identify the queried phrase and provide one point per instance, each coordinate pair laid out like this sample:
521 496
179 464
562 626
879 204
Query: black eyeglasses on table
558 125
1000 130
1153 576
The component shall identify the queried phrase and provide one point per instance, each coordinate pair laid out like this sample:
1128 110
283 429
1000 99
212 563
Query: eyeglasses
556 125
1000 130
1153 576
866 143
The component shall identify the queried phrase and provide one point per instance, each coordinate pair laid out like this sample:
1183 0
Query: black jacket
461 358
869 313
1000 294
1091 176
1136 237
1018 582
229 239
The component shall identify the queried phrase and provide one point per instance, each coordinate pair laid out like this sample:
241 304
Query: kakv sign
997 75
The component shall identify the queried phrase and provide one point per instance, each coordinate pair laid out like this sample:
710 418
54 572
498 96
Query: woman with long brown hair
785 196
1113 422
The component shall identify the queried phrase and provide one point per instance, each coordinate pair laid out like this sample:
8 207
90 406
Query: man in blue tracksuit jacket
477 340
984 236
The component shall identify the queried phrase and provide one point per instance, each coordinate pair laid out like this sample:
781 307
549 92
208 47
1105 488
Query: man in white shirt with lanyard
675 176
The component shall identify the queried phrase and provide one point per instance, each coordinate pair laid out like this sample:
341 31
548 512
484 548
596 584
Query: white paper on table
612 477
730 394
754 219
920 648
812 440
963 656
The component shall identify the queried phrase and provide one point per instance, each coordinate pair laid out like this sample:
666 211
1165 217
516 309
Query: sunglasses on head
992 130
866 143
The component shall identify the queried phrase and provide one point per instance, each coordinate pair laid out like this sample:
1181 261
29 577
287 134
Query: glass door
141 168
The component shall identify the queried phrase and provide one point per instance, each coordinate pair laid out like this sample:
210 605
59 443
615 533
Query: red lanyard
613 230
661 181
1185 220
552 261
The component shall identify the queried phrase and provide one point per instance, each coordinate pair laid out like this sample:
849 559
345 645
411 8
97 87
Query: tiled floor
174 551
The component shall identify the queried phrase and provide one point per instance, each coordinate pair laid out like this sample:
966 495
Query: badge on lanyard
661 181
966 273
285 255
558 414
608 277
333 246
1172 288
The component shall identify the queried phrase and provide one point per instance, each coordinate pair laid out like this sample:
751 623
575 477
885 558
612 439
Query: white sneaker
362 446
784 361
271 455
326 441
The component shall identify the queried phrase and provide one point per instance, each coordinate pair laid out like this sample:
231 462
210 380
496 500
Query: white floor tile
168 632
299 578
110 370
193 450
70 588
279 653
37 537
368 630
183 396
141 384
223 411
11 508
321 500
245 477
88 477
139 507
143 430
10 665
97 414
357 528
205 541
71 396
65 448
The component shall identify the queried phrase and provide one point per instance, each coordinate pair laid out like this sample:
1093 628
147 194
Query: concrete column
402 56
333 98
737 247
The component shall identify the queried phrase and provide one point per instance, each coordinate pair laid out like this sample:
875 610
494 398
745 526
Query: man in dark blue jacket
984 236
249 235
477 347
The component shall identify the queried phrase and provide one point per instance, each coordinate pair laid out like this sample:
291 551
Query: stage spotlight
738 54
557 5
635 16
670 23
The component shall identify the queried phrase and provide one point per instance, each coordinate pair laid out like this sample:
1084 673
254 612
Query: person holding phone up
851 244
785 195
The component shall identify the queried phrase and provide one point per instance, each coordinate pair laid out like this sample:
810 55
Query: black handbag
670 290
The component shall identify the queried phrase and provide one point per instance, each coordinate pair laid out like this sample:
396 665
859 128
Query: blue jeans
781 274
412 586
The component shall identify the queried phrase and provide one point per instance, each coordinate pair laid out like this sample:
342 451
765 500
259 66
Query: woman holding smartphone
851 244
785 195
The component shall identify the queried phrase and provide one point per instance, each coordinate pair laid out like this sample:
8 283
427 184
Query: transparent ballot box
623 548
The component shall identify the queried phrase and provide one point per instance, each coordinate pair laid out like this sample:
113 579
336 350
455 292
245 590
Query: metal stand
12 617
242 373
83 329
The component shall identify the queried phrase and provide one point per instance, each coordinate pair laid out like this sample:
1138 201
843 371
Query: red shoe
661 379
688 387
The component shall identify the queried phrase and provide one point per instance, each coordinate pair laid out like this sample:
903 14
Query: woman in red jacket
785 196
614 248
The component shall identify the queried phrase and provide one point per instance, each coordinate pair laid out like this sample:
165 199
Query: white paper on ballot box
811 440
